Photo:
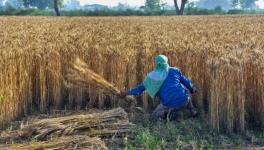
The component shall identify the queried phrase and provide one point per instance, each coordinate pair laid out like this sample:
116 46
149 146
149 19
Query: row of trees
40 4
181 4
150 5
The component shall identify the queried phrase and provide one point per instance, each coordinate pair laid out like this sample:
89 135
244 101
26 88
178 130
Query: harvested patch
108 123
62 143
105 124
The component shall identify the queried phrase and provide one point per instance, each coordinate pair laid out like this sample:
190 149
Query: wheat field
222 55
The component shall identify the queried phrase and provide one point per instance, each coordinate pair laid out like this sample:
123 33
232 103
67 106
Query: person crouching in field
170 85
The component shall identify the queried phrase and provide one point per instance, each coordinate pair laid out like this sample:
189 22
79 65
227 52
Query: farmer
170 85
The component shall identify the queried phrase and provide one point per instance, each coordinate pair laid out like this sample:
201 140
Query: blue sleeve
186 82
138 90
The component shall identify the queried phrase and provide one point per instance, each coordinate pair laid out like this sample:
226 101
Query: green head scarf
154 80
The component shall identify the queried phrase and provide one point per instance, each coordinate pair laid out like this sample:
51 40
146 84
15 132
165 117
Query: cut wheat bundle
109 123
82 76
77 142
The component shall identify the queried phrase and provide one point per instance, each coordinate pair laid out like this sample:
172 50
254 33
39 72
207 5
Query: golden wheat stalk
231 82
81 75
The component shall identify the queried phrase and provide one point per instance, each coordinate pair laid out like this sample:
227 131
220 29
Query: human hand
123 94
194 90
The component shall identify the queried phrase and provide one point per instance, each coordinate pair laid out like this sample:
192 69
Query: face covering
154 80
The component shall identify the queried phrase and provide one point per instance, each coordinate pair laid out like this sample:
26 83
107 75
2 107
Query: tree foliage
245 4
152 4
41 4
212 4
13 3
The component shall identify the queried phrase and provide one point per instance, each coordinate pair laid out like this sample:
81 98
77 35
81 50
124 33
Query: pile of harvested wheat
71 131
62 143
108 123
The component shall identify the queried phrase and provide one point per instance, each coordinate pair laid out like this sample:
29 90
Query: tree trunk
56 7
180 10
176 7
183 6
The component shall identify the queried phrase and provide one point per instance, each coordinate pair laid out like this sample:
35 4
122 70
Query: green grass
191 133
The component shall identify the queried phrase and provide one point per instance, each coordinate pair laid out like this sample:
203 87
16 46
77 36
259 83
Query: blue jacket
173 92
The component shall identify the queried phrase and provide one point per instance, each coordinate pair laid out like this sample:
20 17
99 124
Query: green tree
40 4
43 4
235 4
249 4
244 4
14 3
212 4
152 4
